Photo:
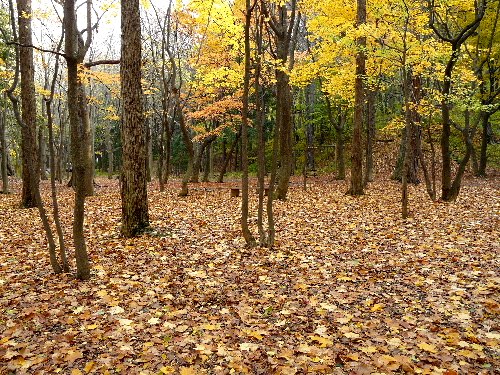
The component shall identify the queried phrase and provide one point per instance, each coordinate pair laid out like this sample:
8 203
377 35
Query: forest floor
350 288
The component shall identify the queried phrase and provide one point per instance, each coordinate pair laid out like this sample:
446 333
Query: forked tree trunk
80 137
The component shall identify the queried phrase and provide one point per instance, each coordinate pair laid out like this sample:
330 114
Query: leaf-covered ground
349 288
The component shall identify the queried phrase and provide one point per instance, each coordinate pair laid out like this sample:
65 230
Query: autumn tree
455 32
283 20
133 180
28 106
75 50
356 187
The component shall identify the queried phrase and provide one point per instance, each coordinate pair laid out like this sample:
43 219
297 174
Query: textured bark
135 217
247 235
80 145
283 23
356 187
29 148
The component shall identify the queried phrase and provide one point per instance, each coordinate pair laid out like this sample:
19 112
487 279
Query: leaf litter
349 288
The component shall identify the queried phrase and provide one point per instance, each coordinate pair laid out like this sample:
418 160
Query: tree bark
247 235
356 186
370 135
80 136
135 216
29 148
3 146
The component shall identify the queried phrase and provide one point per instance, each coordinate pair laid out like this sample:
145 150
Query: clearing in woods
348 289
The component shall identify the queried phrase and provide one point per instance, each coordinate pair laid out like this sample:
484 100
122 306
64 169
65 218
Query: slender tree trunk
80 145
189 147
3 145
41 153
485 139
310 103
208 164
228 158
370 135
109 149
135 217
356 186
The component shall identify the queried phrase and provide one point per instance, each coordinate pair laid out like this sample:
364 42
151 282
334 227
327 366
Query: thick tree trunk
29 148
356 186
135 217
247 234
285 125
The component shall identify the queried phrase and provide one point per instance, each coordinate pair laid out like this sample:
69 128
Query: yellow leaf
353 356
253 334
351 335
377 307
210 327
188 371
125 322
102 293
92 326
73 355
89 366
167 370
369 349
324 342
427 347
75 371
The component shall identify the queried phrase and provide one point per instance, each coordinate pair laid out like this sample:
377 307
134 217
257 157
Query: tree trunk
284 118
109 149
370 135
229 157
208 164
310 103
485 140
356 186
247 235
41 154
80 145
29 151
135 217
3 146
